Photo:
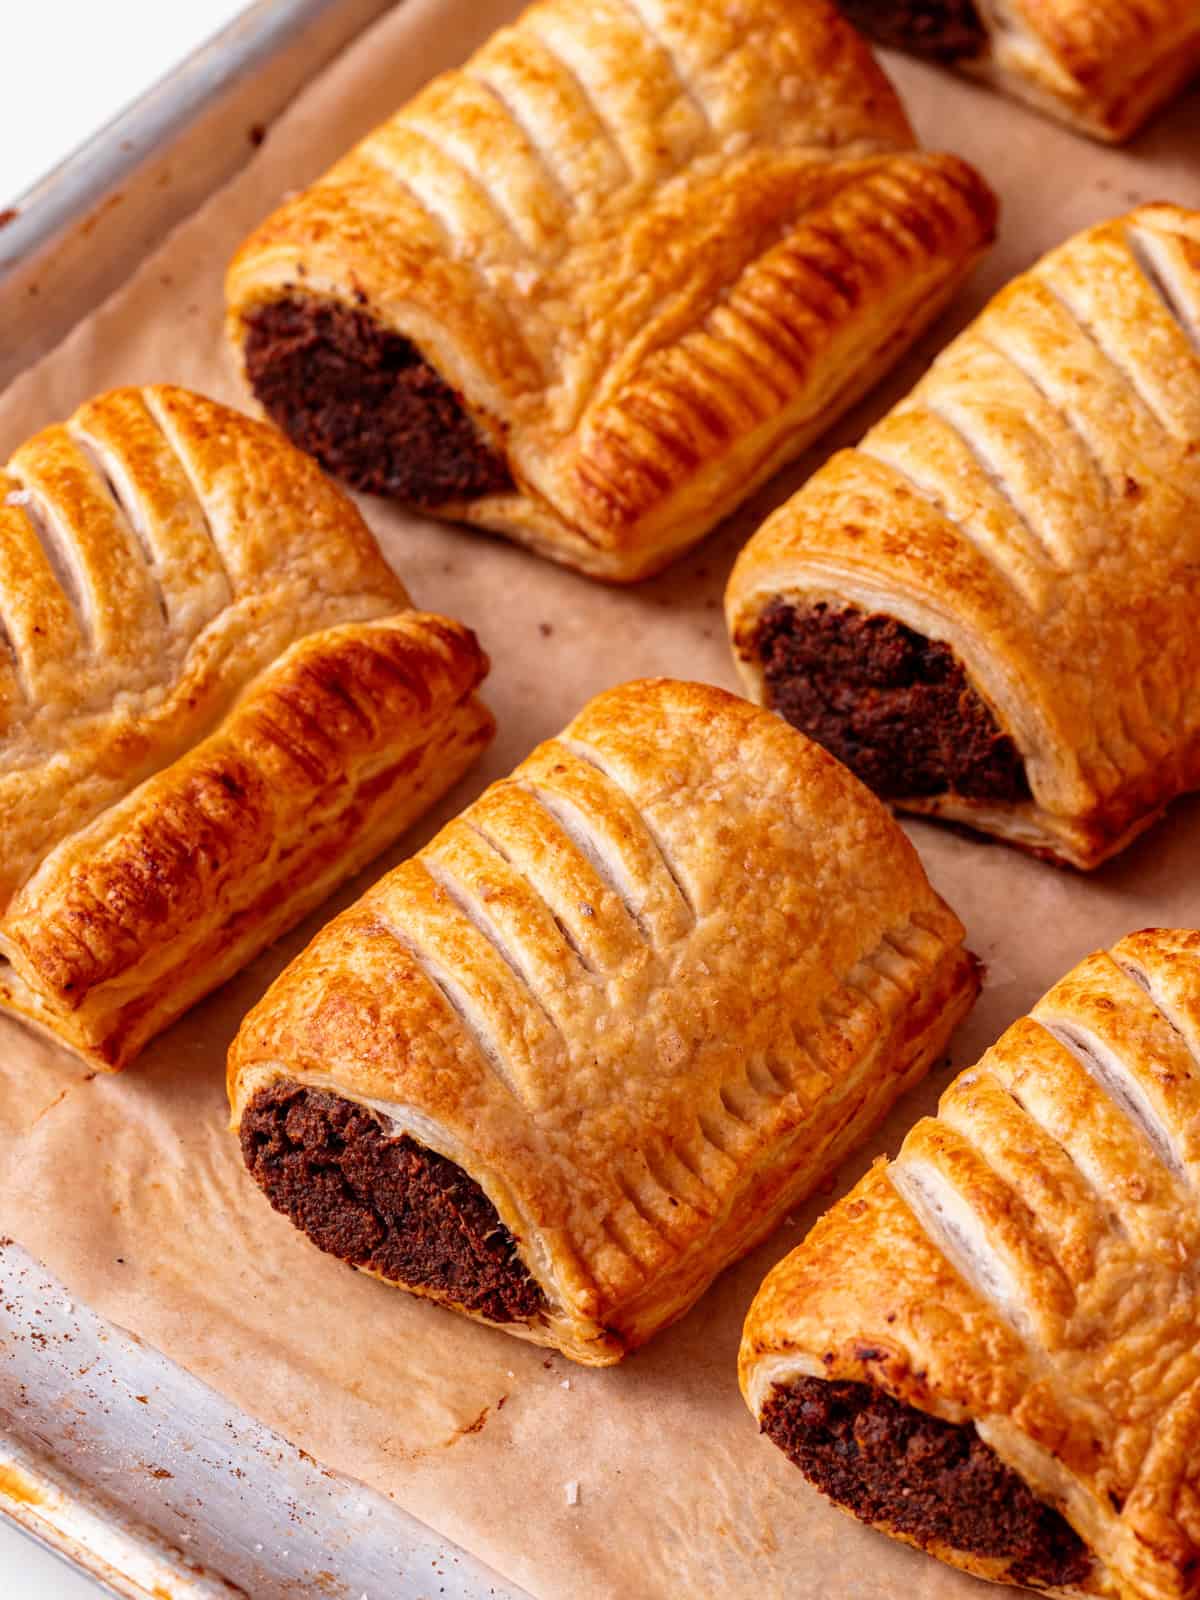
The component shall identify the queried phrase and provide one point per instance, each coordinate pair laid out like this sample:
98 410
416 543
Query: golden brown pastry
590 1045
988 609
215 705
990 1349
1103 66
592 288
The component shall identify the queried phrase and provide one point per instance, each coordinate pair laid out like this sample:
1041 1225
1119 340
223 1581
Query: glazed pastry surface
1103 66
1032 509
1028 1266
644 993
215 704
594 286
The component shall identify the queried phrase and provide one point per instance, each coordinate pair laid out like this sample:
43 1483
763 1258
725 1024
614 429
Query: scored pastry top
637 991
633 235
1034 504
1105 64
157 551
1090 38
1100 65
215 702
1029 1263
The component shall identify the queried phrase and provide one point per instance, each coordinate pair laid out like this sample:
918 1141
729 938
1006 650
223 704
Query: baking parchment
130 1188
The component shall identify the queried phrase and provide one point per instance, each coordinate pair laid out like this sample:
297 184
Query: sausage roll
588 1046
990 1349
215 705
1103 66
988 609
592 288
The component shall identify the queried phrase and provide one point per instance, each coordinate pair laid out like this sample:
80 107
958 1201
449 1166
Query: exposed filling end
363 402
934 1481
895 707
384 1202
942 30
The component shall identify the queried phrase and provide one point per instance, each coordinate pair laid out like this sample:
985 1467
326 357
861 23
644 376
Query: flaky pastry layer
1102 66
646 993
1028 1264
1034 504
654 247
215 704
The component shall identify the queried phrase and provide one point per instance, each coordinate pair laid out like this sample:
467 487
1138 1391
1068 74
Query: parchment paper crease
130 1188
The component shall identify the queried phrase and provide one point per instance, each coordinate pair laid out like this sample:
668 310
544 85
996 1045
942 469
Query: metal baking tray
110 1454
82 229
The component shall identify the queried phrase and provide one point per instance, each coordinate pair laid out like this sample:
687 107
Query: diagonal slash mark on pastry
987 608
216 703
590 1045
595 286
991 1347
1102 66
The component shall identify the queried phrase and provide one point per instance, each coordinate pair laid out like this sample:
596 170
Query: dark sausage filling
362 401
896 708
934 1481
942 30
384 1202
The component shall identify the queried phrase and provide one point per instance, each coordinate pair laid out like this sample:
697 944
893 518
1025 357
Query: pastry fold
592 288
586 1048
1102 66
988 607
1017 1293
215 704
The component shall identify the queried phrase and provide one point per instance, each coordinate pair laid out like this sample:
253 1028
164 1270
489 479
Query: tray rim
150 1481
83 227
258 63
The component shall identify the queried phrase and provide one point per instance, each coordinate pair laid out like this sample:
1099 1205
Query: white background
71 66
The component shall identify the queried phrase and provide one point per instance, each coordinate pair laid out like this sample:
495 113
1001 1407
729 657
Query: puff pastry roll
988 609
592 288
1103 66
587 1047
215 705
990 1349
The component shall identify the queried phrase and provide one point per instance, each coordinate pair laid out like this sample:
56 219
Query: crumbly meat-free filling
363 402
384 1202
932 1480
895 707
942 30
